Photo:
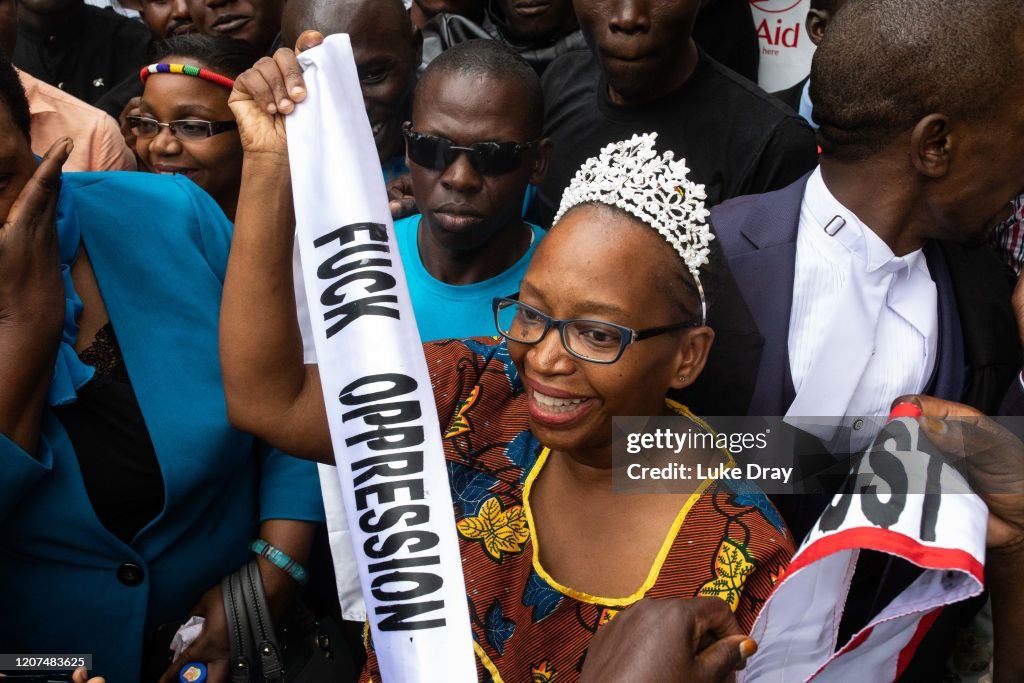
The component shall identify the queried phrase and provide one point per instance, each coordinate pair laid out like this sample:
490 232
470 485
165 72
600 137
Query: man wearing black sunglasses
472 146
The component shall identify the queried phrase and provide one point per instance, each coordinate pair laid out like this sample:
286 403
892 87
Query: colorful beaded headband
187 70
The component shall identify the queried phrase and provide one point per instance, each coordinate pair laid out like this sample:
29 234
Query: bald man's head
340 16
386 50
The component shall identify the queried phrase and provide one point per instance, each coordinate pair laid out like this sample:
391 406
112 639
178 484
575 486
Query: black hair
225 56
13 95
886 64
491 58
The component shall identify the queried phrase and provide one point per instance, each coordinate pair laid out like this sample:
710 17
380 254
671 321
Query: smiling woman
184 125
549 551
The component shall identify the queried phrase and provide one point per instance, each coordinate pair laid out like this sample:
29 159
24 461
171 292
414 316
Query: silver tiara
630 175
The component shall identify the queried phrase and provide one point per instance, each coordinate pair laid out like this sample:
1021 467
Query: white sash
380 406
942 531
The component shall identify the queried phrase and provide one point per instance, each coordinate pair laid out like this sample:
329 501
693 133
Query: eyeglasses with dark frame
595 341
488 158
184 129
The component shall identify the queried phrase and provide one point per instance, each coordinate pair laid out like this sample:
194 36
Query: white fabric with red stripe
921 510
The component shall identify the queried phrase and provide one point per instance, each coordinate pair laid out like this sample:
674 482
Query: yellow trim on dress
666 546
488 664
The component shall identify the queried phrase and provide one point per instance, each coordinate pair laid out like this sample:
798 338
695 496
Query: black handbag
304 650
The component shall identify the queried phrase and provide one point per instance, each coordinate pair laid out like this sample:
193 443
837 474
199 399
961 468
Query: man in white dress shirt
852 275
855 277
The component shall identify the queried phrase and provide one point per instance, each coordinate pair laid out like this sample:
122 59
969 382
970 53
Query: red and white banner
941 530
786 50
377 391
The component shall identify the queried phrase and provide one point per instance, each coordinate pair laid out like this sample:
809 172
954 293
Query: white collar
841 225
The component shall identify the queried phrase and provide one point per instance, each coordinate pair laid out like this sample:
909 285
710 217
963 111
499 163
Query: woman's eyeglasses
595 341
488 158
186 129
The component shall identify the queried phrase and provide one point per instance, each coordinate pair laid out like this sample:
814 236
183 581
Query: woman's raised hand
31 288
267 92
31 299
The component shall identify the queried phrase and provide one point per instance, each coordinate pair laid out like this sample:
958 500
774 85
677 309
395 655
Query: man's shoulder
112 22
766 211
409 224
121 192
82 114
748 103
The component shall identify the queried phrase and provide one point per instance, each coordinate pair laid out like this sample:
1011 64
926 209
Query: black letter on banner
932 498
425 585
890 470
380 466
386 491
400 615
834 515
354 310
379 439
347 233
400 385
386 414
332 296
330 268
403 564
932 486
418 542
418 514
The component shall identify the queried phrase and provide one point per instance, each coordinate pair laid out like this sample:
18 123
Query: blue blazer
159 248
758 236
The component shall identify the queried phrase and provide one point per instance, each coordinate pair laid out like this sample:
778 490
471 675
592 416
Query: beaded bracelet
281 560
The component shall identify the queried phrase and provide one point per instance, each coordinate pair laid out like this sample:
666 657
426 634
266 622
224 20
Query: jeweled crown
632 176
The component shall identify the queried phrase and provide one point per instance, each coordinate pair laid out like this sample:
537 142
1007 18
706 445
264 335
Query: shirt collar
859 239
806 106
36 104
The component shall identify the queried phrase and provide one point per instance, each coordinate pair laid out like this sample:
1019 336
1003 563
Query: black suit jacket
792 94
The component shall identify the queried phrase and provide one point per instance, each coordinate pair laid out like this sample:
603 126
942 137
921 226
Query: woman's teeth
556 404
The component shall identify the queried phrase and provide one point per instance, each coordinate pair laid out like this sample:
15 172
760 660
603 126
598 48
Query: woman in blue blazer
125 495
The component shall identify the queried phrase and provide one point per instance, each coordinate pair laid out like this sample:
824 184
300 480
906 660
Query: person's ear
692 355
931 145
817 24
540 161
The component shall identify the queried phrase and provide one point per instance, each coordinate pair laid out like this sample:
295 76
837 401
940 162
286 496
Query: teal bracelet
281 560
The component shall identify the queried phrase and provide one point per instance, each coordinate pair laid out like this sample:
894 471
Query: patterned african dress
727 540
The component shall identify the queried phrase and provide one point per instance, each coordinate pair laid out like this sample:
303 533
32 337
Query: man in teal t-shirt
473 146
455 311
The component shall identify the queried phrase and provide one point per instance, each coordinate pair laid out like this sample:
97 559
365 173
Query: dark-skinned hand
990 457
696 640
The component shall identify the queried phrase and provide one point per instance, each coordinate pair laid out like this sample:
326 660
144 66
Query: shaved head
340 16
386 51
885 64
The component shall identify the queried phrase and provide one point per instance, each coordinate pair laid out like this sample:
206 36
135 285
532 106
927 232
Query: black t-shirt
91 55
736 138
726 30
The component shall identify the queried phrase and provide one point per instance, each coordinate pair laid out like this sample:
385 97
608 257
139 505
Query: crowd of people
599 213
